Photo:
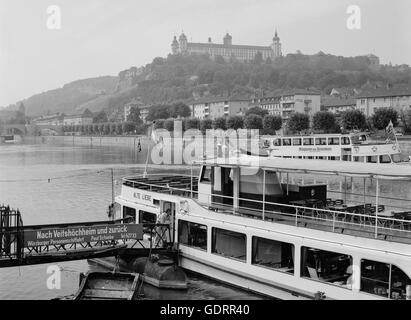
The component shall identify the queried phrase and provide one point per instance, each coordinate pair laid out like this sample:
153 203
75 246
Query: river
58 183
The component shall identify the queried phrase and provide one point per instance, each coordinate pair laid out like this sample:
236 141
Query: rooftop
337 102
385 92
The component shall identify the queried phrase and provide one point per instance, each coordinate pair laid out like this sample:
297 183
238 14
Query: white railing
291 214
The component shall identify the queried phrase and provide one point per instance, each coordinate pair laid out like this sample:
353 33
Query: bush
205 125
191 123
169 124
382 117
159 124
257 111
298 122
253 121
220 123
354 119
235 122
271 124
325 121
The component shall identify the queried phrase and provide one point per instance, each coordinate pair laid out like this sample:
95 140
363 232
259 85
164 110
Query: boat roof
326 167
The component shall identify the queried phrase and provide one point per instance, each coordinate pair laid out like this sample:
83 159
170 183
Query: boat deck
395 228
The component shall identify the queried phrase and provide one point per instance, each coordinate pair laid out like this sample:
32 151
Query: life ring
394 147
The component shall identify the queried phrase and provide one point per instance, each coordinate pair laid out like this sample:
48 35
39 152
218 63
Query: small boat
108 286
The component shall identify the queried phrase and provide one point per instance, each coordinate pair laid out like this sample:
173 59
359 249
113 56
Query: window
308 141
326 266
385 158
129 212
296 141
321 141
333 141
192 234
287 142
372 159
206 174
277 142
273 254
345 140
375 277
399 283
229 244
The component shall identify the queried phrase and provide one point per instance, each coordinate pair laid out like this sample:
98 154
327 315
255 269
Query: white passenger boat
356 147
239 224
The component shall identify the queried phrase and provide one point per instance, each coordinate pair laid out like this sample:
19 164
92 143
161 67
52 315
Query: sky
103 37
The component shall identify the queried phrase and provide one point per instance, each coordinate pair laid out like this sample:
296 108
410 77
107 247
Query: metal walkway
20 245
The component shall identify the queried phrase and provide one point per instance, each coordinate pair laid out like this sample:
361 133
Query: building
77 119
227 49
212 108
338 105
290 101
370 100
136 103
374 60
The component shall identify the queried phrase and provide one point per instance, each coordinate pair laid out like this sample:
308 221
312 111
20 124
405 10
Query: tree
119 128
325 121
298 122
101 117
271 124
382 117
405 116
191 123
158 112
159 124
129 127
219 123
134 115
179 110
258 111
206 124
107 128
353 120
253 121
169 124
235 122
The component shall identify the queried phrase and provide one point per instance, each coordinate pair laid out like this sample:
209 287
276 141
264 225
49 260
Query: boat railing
316 217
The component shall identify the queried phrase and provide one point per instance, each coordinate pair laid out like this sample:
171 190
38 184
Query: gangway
37 244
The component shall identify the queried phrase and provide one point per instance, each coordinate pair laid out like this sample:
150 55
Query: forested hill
182 78
70 97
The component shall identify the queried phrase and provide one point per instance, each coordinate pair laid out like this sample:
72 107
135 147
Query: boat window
345 140
326 266
192 234
206 174
359 159
286 142
321 141
277 142
335 141
372 159
308 141
399 283
146 217
273 254
129 212
385 158
229 243
297 142
375 277
400 157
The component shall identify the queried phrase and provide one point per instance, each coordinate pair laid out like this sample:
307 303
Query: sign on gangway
81 234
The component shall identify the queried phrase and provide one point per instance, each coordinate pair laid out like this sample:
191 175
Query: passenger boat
10 139
238 223
108 286
356 147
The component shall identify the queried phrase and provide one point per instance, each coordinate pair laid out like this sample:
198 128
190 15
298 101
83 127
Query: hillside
71 96
182 78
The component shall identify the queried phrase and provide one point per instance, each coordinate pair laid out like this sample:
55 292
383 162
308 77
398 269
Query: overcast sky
103 37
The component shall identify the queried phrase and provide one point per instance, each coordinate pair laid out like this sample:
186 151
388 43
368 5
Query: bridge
37 244
27 129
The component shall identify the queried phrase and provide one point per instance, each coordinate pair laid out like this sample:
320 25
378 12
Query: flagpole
148 152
